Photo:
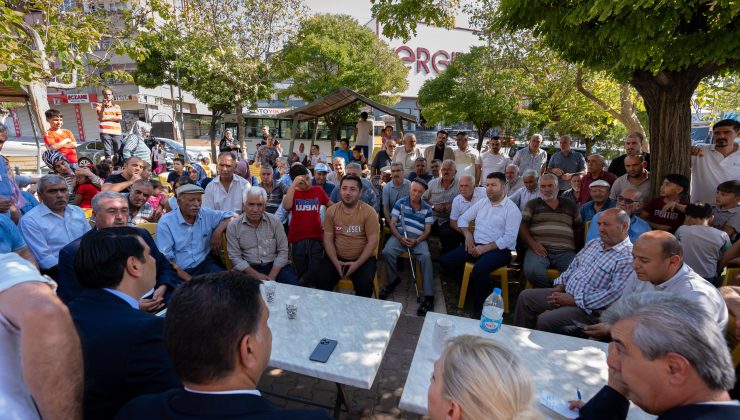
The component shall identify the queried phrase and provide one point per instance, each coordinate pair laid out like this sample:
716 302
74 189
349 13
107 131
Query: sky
359 9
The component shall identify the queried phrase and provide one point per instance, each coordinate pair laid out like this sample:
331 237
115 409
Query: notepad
558 405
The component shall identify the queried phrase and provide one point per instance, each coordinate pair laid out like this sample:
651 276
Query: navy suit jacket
608 404
123 351
69 287
181 404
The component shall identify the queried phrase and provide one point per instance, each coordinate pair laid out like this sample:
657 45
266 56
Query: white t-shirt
711 169
315 159
15 398
466 161
364 128
492 163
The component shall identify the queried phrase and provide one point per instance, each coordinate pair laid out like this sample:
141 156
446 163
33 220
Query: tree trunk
589 144
39 104
482 129
240 129
215 116
667 99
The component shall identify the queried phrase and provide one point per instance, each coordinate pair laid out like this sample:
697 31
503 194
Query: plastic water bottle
493 312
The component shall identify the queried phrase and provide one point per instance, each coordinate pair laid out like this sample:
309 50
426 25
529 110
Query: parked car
92 152
195 153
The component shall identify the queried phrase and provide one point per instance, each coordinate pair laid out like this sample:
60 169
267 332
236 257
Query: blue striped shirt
413 221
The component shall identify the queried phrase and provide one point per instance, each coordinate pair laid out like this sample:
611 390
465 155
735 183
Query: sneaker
387 290
426 306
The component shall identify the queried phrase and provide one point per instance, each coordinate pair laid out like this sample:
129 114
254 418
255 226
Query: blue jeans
111 144
535 266
208 265
286 275
454 261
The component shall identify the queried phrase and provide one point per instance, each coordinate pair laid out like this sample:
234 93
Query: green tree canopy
664 49
46 44
334 51
473 89
221 51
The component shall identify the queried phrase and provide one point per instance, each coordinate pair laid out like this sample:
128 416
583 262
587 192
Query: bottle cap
497 291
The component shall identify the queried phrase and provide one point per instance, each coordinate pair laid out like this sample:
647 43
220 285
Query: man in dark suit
122 347
110 210
219 343
669 357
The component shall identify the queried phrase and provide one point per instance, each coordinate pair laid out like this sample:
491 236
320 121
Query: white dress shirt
494 223
217 198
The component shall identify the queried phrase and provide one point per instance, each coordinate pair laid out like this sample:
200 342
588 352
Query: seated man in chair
351 232
497 221
411 224
592 282
256 241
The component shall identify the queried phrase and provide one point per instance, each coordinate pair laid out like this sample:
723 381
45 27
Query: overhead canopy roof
336 101
11 94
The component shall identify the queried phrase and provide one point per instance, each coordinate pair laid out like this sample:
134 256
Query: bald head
658 256
668 244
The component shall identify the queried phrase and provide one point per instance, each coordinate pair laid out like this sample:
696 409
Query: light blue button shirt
187 244
46 233
637 228
128 299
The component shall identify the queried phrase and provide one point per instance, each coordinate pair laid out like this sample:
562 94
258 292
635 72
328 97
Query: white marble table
361 326
558 363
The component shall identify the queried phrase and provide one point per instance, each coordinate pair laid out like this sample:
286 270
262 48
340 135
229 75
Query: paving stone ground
381 401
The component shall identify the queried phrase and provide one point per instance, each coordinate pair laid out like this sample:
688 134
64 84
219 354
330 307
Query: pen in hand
578 392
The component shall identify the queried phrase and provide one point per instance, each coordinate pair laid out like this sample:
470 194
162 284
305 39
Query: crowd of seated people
603 235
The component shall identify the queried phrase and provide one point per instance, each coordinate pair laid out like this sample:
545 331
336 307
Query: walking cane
411 255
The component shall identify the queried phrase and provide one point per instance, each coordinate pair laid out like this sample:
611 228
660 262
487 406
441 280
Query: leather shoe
387 290
426 306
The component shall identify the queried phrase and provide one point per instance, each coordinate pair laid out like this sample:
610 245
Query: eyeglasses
627 201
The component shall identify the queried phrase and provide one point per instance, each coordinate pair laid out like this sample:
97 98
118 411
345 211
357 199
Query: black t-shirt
172 177
381 160
617 165
116 179
439 153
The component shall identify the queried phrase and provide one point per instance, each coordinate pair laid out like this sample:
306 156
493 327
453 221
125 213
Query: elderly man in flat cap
192 232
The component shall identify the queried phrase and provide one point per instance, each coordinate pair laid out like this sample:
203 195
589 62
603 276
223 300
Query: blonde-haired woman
477 379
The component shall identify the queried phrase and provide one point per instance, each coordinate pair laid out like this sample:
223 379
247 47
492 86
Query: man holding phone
109 116
351 233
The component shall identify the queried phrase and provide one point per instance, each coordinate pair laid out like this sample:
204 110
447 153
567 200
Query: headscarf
141 129
51 157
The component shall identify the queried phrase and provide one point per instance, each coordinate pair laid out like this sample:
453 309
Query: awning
336 101
11 94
